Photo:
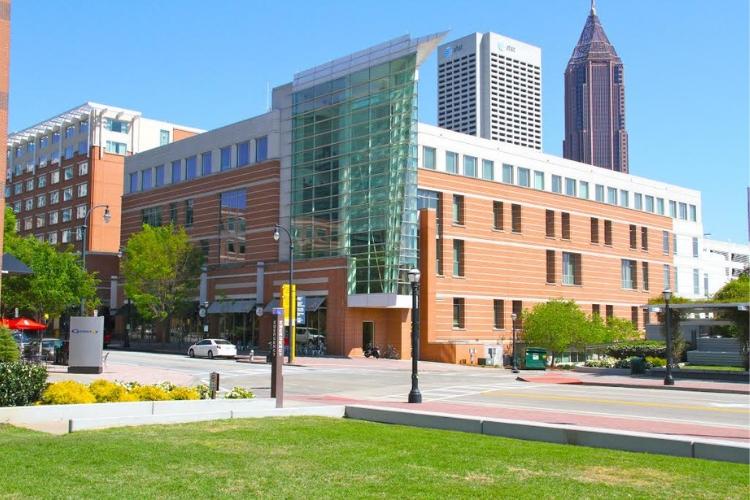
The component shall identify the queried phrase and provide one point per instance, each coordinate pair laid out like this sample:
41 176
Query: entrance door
368 333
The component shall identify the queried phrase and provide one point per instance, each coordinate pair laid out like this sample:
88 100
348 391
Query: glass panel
507 173
538 180
488 170
556 184
524 177
470 166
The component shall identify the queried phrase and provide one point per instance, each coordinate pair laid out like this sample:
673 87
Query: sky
208 64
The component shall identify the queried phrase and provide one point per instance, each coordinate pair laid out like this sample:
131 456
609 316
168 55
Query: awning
231 306
269 307
312 304
11 265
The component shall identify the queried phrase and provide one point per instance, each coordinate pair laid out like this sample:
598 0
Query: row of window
70 131
27 186
536 179
54 158
81 190
187 169
54 217
66 236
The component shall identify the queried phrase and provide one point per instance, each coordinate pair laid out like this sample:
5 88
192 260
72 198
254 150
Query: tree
8 347
161 269
737 290
621 330
58 280
556 326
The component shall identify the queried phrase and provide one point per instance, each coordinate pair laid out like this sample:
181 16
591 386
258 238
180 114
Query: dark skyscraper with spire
595 101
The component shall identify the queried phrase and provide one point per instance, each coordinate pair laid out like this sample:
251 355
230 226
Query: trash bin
536 358
637 365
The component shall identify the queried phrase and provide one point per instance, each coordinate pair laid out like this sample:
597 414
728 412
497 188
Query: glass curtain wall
354 177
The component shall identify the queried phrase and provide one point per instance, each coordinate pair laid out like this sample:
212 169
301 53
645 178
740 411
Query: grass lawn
714 368
323 458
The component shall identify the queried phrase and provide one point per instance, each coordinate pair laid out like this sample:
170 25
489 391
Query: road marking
618 402
457 391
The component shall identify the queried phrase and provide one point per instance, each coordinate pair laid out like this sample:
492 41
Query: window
673 209
571 268
497 215
683 211
570 186
645 317
40 220
549 223
665 277
498 309
599 192
556 184
151 216
705 284
54 197
660 206
188 213
610 311
565 218
507 173
633 236
116 125
644 238
54 177
28 223
676 286
638 201
608 232
67 214
83 168
696 282
488 170
243 153
44 142
190 168
451 162
68 173
470 166
81 212
612 196
18 188
665 242
225 158
693 213
173 214
163 137
29 185
119 148
146 176
159 177
28 204
674 241
538 180
624 198
428 157
644 272
595 310
649 204
695 247
524 177
550 266
458 312
583 190
518 310
41 201
70 131
133 182
458 258
52 238
176 171
65 237
261 148
594 230
68 193
516 217
17 207
458 209
206 166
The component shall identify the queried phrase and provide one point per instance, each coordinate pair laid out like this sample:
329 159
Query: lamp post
126 343
414 395
107 216
514 364
668 379
292 303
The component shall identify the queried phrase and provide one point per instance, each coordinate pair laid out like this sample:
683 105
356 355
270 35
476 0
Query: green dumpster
637 365
536 358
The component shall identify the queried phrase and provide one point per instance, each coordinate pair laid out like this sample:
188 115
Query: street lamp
668 379
414 395
84 230
514 364
126 343
292 303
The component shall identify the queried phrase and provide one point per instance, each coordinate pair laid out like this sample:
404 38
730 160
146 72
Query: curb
667 387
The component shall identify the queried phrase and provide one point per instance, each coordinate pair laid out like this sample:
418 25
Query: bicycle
390 352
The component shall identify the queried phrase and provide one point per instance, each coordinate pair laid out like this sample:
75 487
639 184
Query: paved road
460 389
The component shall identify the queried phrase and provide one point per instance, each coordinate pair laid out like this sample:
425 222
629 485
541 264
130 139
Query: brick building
4 77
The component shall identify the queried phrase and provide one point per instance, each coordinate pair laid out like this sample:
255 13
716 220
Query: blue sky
206 64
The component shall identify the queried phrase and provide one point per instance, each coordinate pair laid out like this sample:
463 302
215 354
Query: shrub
239 393
9 352
642 348
656 361
21 383
623 363
67 392
600 363
108 392
150 393
203 391
180 393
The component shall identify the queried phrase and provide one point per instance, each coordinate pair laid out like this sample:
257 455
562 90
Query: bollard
213 385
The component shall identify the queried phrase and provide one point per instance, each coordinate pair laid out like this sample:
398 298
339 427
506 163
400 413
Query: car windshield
222 342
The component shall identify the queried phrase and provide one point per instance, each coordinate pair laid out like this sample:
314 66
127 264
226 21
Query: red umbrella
25 324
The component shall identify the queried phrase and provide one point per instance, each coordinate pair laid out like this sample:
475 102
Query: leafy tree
737 290
556 326
620 330
9 229
8 347
57 283
161 269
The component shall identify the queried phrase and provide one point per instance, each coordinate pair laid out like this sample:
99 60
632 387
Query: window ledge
459 328
458 224
496 230
459 277
572 285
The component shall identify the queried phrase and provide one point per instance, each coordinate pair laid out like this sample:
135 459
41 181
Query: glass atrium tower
353 173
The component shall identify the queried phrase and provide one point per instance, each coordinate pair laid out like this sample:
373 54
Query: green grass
714 368
331 458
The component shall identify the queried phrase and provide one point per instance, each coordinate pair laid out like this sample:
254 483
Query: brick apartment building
4 80
64 166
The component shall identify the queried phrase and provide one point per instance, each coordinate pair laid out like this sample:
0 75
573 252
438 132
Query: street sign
286 300
301 305
213 384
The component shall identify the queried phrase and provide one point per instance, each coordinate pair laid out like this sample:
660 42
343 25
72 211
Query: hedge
641 348
21 383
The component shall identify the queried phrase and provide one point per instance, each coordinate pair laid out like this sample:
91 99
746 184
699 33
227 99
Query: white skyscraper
490 86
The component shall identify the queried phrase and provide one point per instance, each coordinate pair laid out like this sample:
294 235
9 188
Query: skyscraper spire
593 7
